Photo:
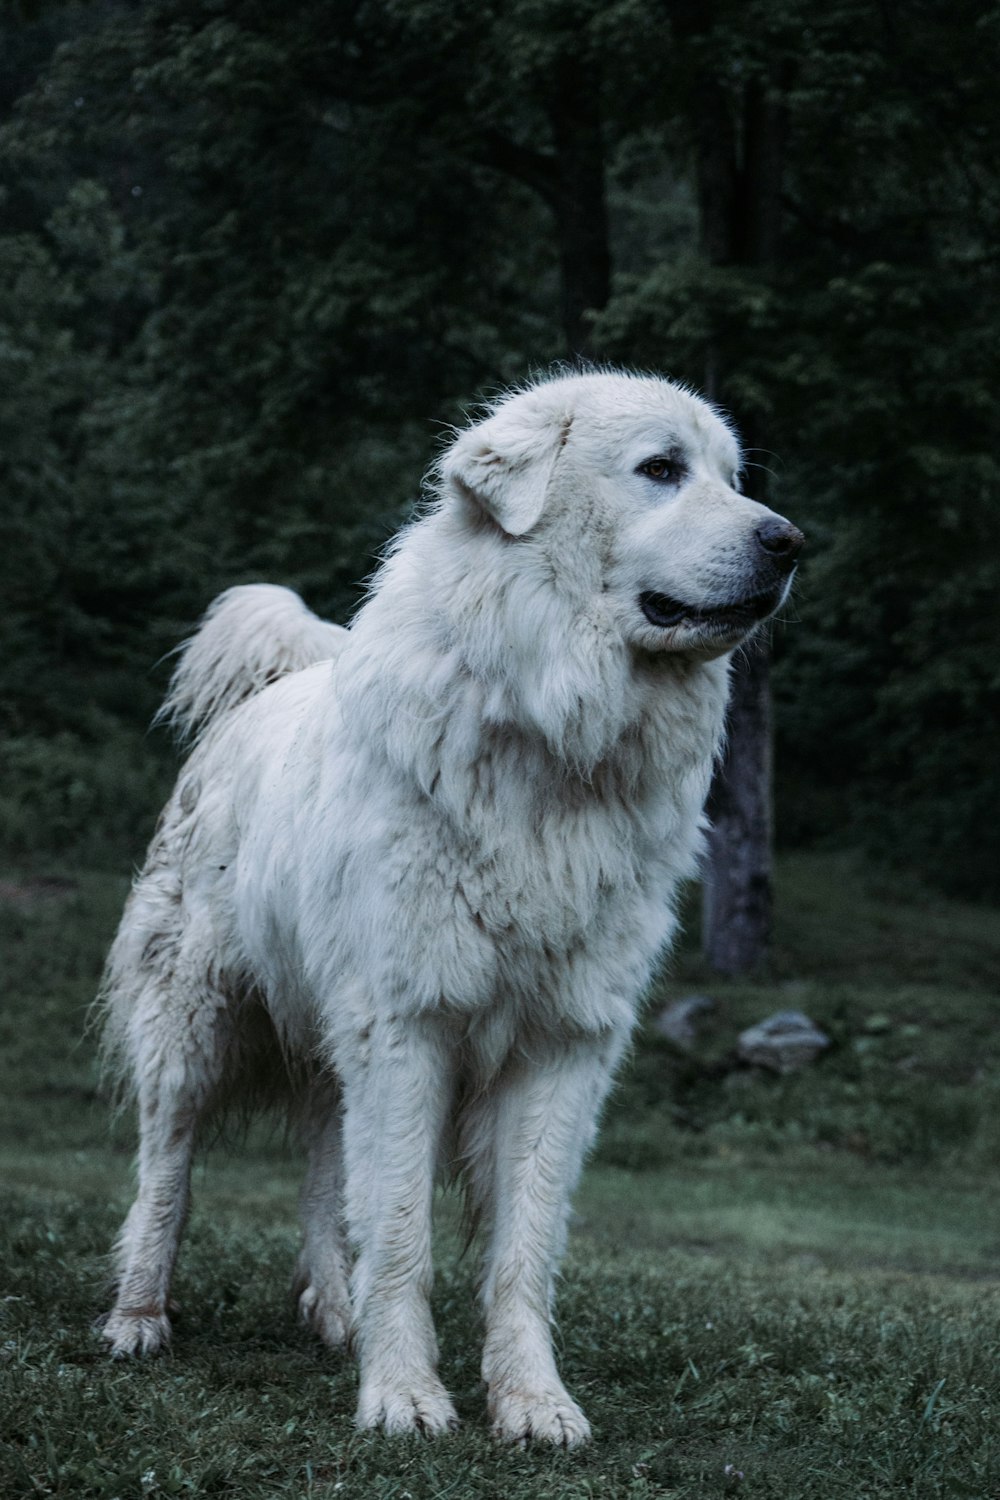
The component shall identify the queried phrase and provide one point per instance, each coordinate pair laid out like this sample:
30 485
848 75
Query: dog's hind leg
177 1046
526 1140
321 1274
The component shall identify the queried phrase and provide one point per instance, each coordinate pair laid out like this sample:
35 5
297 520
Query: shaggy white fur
424 877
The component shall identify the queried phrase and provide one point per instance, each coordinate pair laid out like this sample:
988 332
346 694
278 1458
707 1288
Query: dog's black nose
781 541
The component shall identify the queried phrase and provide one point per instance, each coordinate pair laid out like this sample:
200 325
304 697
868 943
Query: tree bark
571 180
580 203
738 153
737 894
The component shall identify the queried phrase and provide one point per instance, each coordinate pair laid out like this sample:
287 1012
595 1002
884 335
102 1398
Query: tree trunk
739 185
571 180
580 203
736 909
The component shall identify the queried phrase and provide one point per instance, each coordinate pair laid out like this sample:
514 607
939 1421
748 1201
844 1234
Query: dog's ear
504 464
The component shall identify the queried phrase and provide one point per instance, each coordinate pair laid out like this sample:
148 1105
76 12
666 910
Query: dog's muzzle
777 546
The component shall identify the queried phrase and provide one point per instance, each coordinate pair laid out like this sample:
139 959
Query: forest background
255 258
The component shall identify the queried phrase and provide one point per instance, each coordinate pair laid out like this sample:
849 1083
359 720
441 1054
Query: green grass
794 1279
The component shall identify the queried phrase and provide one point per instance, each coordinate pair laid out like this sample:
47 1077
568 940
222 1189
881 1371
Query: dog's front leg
398 1082
544 1115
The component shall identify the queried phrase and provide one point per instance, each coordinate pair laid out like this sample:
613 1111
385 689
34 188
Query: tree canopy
253 256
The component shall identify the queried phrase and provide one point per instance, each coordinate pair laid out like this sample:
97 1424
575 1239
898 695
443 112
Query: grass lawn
774 1287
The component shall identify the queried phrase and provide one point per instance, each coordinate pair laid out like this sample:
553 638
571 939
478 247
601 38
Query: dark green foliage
251 255
94 797
235 300
867 351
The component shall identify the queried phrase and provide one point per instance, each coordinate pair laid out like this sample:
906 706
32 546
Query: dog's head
650 474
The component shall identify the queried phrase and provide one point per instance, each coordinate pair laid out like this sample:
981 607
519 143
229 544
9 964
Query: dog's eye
665 468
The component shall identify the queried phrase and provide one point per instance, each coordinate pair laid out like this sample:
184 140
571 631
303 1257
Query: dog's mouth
720 619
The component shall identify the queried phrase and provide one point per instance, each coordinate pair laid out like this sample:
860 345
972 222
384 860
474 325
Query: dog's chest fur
547 885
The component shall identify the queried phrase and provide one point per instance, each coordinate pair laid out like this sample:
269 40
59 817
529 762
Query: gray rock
784 1042
679 1021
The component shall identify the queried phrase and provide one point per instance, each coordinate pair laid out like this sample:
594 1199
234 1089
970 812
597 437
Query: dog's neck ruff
464 646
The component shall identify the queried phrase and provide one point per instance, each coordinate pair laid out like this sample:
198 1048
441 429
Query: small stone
783 1042
680 1020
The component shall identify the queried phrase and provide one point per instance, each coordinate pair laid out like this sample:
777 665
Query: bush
95 803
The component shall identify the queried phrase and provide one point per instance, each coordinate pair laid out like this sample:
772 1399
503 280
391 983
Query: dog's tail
249 636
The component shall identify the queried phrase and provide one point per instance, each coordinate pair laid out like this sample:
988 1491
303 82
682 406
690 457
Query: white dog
419 872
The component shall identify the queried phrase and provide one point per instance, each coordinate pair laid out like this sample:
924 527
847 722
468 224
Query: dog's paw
400 1407
545 1416
144 1331
329 1319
